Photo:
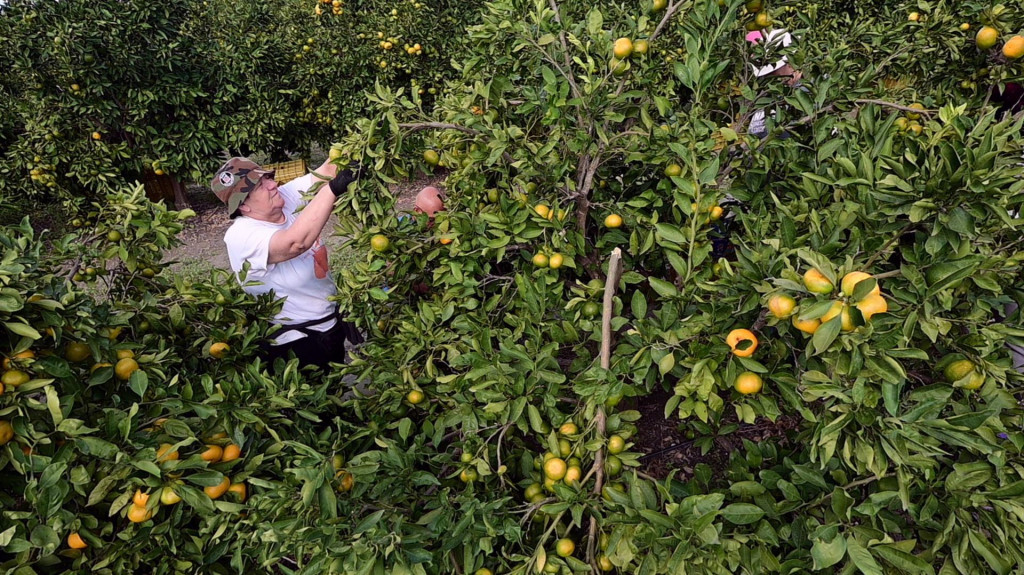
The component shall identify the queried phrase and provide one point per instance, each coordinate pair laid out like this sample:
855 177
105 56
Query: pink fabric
755 36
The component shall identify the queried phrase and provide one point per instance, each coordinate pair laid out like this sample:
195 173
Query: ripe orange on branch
736 339
816 282
748 383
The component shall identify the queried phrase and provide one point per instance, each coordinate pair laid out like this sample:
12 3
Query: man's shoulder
243 227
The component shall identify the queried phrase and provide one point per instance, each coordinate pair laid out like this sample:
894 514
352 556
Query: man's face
264 201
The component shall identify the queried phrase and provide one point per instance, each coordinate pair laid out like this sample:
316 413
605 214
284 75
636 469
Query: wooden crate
159 187
287 171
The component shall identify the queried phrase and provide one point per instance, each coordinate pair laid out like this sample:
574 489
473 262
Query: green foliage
478 434
167 88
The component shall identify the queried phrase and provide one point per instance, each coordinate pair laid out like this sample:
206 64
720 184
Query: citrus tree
104 93
850 267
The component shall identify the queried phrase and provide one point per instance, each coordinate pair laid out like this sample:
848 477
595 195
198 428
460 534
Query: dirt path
202 238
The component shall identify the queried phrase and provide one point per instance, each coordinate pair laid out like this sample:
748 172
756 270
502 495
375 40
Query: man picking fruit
271 247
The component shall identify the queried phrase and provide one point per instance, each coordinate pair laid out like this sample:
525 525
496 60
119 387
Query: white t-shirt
303 281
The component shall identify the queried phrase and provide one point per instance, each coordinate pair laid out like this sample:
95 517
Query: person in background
272 246
773 41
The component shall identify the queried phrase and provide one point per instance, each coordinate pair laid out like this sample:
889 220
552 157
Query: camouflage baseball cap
235 179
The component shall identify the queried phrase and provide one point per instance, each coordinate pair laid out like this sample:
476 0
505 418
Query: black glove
339 185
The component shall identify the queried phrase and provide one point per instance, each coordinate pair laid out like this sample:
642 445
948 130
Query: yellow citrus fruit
125 353
445 241
555 261
915 106
816 282
231 453
345 481
568 428
168 496
716 213
572 474
808 326
138 514
737 336
239 490
613 221
483 571
140 498
540 260
164 453
431 157
215 491
604 563
958 370
641 46
380 243
987 37
616 444
114 236
468 475
840 309
6 432
748 382
659 5
212 454
623 48
976 381
75 541
762 20
872 304
125 368
219 349
415 397
9 361
673 170
565 547
542 210
77 351
965 26
555 468
914 17
1014 48
851 280
97 136
781 305
14 378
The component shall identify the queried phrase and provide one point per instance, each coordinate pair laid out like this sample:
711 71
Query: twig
669 12
565 50
420 126
891 241
897 106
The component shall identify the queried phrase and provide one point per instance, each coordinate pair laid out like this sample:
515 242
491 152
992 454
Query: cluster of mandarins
783 306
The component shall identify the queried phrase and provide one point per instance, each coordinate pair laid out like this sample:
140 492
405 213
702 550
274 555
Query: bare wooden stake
610 283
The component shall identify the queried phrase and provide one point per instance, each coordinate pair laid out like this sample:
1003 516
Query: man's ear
243 209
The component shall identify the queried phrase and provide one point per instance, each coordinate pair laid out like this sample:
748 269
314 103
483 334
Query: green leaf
670 233
861 558
22 330
666 363
992 555
742 513
902 560
827 554
664 288
638 305
826 334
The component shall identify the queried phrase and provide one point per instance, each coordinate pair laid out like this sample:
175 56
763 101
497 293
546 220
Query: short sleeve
249 244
